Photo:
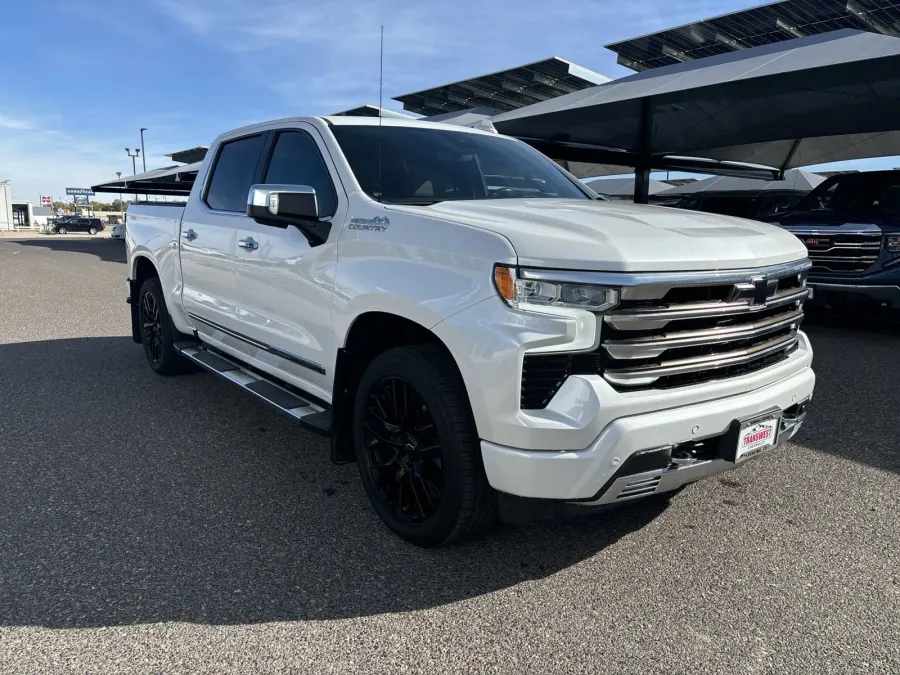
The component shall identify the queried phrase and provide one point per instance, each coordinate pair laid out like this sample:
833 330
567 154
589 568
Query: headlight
524 293
893 243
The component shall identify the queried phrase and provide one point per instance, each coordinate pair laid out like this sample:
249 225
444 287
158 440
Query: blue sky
82 76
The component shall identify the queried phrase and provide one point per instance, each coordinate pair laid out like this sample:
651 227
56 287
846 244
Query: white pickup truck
471 325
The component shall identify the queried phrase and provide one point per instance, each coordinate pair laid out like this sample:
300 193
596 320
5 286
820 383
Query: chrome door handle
190 235
248 243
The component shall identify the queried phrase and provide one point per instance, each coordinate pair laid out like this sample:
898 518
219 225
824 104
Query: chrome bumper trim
659 481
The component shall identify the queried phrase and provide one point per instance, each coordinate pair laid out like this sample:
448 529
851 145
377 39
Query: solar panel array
766 24
504 90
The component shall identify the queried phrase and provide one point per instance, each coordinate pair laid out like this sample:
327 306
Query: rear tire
93 230
418 451
157 332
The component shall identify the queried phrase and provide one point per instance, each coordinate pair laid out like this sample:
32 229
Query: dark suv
89 225
851 226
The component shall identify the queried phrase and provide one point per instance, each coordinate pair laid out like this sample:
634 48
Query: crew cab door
208 234
283 278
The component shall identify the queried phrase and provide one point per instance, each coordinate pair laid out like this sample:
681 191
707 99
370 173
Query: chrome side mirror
282 202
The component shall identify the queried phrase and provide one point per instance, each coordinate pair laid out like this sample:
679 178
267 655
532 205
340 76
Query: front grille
679 334
839 252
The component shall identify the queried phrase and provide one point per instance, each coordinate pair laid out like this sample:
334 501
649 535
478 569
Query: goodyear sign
79 191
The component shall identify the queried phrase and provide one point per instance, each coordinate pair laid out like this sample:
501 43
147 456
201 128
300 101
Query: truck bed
153 224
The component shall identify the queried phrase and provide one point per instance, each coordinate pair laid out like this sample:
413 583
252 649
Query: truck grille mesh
842 253
675 336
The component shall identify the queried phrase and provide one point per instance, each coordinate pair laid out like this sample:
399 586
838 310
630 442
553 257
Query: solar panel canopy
372 111
189 156
761 25
795 179
504 90
811 100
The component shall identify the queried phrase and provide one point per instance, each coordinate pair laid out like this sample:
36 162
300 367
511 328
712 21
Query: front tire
157 333
62 230
418 451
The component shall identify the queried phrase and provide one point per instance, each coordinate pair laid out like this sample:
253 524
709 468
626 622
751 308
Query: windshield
867 192
426 166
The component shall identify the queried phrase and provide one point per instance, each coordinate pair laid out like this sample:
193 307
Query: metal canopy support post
642 170
788 158
642 186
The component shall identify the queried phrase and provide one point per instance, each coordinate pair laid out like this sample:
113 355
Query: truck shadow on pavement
131 498
104 248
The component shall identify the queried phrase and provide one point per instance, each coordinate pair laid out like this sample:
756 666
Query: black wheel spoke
380 437
152 327
403 450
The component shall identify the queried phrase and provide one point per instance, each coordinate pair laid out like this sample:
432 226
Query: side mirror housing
284 203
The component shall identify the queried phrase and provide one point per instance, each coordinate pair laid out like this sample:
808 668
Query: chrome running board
312 416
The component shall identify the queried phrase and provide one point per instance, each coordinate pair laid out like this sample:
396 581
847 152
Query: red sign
46 200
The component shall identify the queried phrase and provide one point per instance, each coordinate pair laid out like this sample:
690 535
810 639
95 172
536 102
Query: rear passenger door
283 280
208 233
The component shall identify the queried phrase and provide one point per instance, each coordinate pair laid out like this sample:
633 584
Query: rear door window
233 174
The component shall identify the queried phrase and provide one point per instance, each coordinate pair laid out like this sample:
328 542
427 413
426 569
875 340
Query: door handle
190 235
248 243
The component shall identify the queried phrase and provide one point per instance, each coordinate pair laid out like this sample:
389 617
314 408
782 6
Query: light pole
121 203
143 154
136 154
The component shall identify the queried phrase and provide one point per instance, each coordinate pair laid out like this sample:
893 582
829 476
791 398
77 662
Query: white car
470 324
117 231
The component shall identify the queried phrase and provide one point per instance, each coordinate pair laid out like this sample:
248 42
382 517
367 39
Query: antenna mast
380 132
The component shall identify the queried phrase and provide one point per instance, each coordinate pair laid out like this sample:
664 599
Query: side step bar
312 416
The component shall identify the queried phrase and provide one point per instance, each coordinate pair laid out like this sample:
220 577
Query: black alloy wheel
403 450
417 448
151 326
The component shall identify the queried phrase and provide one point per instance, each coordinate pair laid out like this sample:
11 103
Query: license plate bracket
752 436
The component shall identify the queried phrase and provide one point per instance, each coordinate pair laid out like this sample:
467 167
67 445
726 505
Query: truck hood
622 237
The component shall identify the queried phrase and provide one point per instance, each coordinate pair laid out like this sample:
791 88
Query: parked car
754 205
850 224
468 323
78 224
117 231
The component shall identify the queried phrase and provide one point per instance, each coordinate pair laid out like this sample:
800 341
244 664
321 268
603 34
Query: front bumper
594 476
851 295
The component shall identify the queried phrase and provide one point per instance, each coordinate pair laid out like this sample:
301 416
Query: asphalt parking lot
170 525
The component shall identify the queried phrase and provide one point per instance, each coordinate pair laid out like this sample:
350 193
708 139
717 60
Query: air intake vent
542 376
639 488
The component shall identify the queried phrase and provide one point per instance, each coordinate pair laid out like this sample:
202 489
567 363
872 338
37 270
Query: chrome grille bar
644 375
681 335
649 347
658 317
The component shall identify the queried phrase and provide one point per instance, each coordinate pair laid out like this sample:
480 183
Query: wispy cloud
325 53
16 124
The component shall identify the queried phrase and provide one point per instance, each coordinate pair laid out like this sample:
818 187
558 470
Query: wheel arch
370 334
142 268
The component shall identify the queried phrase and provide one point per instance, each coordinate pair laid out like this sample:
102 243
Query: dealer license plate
757 436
